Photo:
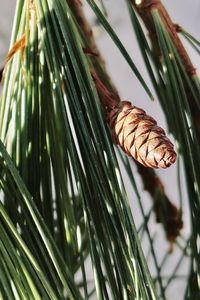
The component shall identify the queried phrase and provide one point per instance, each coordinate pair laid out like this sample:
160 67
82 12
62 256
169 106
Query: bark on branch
145 9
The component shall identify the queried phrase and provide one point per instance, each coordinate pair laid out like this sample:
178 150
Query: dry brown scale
140 137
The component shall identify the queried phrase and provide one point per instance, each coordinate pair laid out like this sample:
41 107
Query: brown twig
145 9
91 47
76 7
108 99
166 212
178 28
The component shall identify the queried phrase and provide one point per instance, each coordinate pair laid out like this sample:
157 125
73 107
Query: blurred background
185 13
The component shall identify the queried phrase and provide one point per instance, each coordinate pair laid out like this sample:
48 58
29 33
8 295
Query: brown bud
140 137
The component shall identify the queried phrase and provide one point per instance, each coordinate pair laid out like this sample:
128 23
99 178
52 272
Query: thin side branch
166 212
92 50
145 9
76 7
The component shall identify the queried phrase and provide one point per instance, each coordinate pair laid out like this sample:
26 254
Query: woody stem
144 9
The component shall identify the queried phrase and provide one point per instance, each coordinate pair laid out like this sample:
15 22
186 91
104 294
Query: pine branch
67 190
63 151
178 88
171 216
76 7
145 10
91 48
166 212
110 103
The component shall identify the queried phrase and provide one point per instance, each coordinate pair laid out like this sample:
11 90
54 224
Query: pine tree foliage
63 204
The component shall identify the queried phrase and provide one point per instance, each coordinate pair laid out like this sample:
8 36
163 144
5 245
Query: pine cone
140 137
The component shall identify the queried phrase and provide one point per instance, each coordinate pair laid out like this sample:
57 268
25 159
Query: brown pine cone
140 137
